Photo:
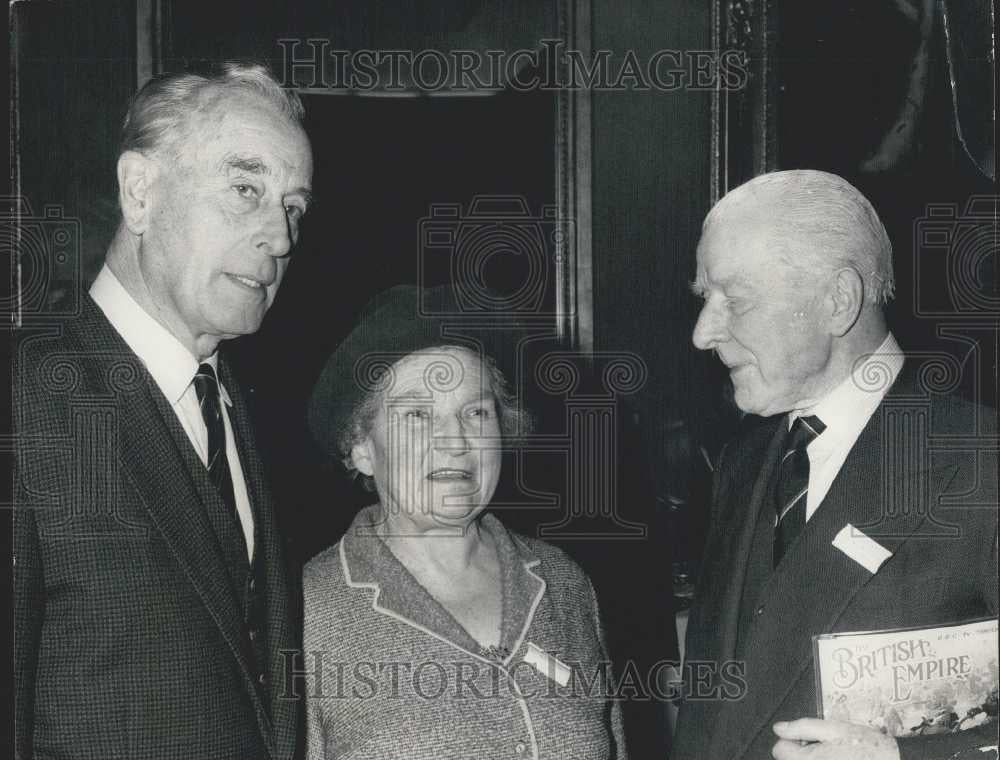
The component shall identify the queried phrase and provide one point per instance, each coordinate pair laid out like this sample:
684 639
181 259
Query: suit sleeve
29 610
312 611
315 740
617 722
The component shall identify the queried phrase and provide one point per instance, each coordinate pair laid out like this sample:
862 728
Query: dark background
382 163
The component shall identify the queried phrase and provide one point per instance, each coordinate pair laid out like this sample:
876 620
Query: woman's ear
361 456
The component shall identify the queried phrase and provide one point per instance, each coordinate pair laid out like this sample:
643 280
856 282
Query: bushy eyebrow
257 166
247 164
731 284
414 394
426 397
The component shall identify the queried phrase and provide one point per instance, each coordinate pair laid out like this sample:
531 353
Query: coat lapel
162 476
160 462
369 564
814 569
752 460
523 587
268 548
713 628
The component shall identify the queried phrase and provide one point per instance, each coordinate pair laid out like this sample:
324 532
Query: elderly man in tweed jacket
151 603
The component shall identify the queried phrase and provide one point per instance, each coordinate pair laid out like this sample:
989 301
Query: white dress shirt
845 411
173 368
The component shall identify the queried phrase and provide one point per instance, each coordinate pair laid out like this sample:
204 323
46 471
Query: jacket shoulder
752 436
557 565
320 568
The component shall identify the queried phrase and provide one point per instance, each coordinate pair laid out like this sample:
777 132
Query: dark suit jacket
130 639
914 482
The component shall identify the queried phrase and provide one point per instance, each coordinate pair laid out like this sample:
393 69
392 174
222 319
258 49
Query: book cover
912 681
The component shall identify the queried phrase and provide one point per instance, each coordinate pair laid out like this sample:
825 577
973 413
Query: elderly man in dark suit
152 607
833 510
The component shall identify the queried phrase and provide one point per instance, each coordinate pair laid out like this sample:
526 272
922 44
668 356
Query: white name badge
867 552
547 665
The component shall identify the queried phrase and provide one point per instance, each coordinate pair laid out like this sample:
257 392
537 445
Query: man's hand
831 740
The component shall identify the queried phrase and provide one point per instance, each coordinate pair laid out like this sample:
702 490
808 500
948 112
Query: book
910 681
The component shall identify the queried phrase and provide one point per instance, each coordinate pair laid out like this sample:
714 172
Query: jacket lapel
523 586
162 476
752 461
268 549
369 564
229 540
814 569
713 628
159 460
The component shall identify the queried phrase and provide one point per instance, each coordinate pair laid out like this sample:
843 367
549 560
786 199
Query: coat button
253 584
520 747
262 679
252 633
760 610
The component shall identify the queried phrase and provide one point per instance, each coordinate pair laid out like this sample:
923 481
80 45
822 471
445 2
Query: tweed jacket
921 480
394 675
130 640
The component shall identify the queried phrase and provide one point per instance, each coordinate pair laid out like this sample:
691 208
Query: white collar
172 366
846 409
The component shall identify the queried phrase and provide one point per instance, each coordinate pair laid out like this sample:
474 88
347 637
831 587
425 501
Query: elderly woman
431 631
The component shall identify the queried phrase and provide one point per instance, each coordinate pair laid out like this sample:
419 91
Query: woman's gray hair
515 421
158 118
822 222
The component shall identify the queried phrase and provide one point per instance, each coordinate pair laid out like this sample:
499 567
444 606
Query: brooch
494 653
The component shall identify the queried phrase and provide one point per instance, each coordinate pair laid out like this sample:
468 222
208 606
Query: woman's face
434 444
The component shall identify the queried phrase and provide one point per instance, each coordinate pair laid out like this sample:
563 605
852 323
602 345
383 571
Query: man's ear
136 173
847 297
361 456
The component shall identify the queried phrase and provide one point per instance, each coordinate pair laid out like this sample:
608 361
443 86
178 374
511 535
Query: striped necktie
207 388
792 484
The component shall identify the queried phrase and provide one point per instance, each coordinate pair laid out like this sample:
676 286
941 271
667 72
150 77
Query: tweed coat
394 675
921 480
130 640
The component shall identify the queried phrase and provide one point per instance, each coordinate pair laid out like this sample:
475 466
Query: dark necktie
207 388
792 483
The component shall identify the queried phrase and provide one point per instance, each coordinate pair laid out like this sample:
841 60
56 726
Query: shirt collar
847 408
171 365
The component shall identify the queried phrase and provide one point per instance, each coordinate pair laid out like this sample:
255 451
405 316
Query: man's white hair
820 222
159 116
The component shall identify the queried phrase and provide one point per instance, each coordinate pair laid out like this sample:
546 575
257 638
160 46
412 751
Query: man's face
223 217
764 320
434 445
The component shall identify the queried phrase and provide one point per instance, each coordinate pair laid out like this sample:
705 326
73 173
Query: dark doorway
382 165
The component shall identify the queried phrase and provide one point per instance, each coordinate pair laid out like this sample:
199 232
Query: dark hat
395 323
